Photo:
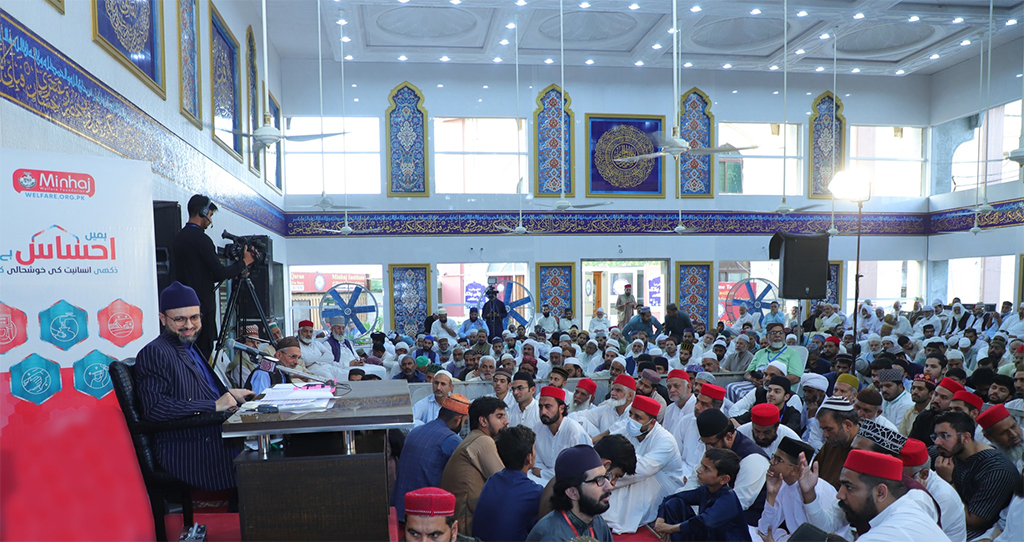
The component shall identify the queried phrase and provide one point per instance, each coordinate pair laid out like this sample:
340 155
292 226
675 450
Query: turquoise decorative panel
697 126
556 286
406 120
695 290
410 297
550 149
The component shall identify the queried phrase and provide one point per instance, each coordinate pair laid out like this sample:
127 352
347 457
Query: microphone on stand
270 363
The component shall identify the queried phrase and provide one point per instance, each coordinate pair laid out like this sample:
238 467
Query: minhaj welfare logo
37 183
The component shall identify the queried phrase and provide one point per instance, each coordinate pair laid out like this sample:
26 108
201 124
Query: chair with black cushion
159 483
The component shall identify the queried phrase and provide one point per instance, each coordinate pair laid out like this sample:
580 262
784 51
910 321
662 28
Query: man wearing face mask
197 265
659 468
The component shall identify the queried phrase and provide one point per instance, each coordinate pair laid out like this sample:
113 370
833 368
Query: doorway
605 280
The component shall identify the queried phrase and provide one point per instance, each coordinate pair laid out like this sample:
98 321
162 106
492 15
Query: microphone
232 344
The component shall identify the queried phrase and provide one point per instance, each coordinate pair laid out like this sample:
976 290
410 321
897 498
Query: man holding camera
198 265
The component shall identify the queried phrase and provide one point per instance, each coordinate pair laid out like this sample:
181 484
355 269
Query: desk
326 497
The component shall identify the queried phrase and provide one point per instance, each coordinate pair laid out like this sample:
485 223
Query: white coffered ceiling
880 37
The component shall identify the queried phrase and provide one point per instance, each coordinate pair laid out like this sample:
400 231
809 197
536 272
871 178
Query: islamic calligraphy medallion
130 20
623 142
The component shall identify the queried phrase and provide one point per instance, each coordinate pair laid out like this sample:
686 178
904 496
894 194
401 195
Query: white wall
955 89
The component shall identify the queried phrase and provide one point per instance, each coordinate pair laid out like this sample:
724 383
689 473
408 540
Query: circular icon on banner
27 181
120 324
319 282
64 327
36 381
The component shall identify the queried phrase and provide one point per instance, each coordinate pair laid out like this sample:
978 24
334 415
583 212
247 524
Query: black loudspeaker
166 225
262 277
803 265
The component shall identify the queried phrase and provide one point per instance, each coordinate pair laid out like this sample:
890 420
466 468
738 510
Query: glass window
1002 128
758 171
989 280
461 286
352 160
309 284
892 156
731 273
479 156
884 282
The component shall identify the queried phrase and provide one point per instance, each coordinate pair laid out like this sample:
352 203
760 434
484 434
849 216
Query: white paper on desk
291 405
289 391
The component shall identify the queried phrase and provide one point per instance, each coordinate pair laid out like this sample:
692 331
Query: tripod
237 284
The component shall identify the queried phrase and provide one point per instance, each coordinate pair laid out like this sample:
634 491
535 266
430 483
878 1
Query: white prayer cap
954 354
620 360
815 381
791 336
1021 306
836 306
572 361
401 346
577 348
443 372
874 337
934 340
958 306
378 370
719 342
936 302
442 310
1003 335
953 342
599 310
637 341
848 333
661 337
656 352
614 345
780 366
507 356
507 333
927 308
745 338
709 355
593 342
964 343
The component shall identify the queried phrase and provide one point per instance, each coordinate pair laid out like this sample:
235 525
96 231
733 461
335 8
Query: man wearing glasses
288 354
777 351
581 494
784 503
173 382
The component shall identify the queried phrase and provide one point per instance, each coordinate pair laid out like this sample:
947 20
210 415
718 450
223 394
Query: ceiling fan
563 204
268 134
676 147
520 229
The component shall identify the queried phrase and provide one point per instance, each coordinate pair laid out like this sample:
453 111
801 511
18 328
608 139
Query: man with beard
1001 389
717 431
581 494
426 410
872 493
410 371
815 388
288 355
719 514
173 382
547 320
777 351
475 459
839 424
941 398
916 466
740 359
1003 431
443 328
572 366
846 387
555 432
593 359
485 371
658 468
614 409
681 395
784 502
982 475
473 325
765 429
341 348
776 395
432 517
480 344
647 385
494 313
896 400
921 394
583 397
317 355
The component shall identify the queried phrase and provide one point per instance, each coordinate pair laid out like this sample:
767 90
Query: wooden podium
339 495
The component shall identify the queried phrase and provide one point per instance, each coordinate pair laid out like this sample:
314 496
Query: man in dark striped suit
173 381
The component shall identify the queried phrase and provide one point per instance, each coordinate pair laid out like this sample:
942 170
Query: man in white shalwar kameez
659 469
784 502
555 432
603 416
916 463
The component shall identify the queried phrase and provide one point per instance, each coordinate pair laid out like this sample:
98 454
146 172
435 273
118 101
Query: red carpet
643 534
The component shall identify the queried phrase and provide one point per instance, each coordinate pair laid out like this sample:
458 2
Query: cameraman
198 266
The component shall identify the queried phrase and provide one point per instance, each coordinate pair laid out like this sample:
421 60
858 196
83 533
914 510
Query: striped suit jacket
171 387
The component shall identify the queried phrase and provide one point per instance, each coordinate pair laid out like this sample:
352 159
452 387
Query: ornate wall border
420 156
1006 214
218 26
819 156
157 10
696 176
42 80
695 286
418 302
252 109
546 107
190 96
566 271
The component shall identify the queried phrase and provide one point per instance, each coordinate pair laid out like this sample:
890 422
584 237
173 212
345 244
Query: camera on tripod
235 250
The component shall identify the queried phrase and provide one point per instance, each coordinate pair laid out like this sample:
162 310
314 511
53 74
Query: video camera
235 250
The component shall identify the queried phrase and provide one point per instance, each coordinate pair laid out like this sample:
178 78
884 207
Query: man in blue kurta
507 508
427 449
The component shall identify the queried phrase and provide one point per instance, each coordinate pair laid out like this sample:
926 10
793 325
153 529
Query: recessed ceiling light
847 95
348 57
357 99
808 93
354 85
800 51
801 13
638 63
548 61
1011 22
773 67
455 2
695 9
965 43
735 91
485 86
755 11
510 26
1020 74
480 100
687 64
445 58
808 112
584 5
934 56
497 59
634 6
656 46
726 66
439 85
589 62
900 72
776 92
824 36
342 21
858 16
958 20
403 1
403 58
346 39
520 2
671 30
913 19
503 42
855 70
819 69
